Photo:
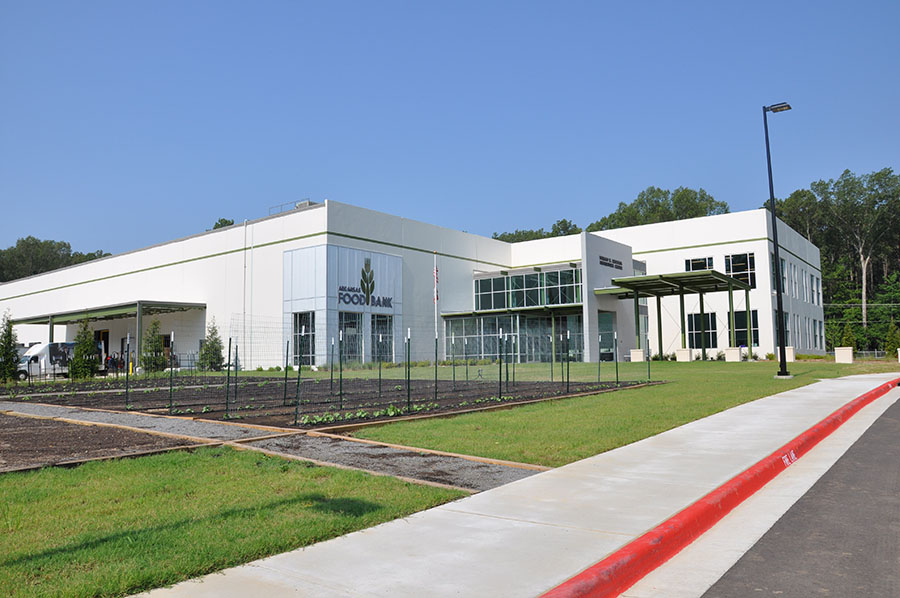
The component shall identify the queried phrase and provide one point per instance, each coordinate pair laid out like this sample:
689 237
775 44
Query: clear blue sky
124 124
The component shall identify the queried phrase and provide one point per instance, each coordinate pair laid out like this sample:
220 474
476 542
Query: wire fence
170 382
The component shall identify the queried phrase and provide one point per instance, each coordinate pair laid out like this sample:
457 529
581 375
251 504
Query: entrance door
101 339
606 326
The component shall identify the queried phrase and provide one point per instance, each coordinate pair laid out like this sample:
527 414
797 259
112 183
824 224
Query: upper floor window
742 266
556 287
699 263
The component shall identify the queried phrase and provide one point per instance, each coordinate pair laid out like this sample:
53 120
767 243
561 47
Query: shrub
848 339
84 362
892 341
211 357
152 356
770 357
9 357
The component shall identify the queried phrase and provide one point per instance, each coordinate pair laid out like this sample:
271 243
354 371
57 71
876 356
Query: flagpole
435 324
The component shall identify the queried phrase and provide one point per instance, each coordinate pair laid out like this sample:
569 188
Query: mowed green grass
559 432
117 527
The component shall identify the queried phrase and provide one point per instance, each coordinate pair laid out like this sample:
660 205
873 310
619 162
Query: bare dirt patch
29 442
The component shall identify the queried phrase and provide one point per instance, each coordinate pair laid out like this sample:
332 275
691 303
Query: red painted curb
625 567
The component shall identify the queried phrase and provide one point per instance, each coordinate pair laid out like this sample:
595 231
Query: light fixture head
779 107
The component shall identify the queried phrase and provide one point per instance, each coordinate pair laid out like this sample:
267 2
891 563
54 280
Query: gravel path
441 469
169 425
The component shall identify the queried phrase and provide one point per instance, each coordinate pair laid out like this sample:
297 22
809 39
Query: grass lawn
117 527
559 432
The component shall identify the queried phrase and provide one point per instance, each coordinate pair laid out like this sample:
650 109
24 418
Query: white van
46 359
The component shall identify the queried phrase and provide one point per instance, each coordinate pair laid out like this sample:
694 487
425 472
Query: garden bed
269 401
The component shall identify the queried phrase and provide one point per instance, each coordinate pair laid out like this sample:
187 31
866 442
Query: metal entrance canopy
680 283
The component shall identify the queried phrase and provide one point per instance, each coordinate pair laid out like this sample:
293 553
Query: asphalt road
842 538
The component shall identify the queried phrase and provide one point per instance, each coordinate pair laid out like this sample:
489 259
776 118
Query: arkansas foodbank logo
367 282
364 293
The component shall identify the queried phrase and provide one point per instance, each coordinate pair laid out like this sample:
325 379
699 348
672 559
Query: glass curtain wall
527 338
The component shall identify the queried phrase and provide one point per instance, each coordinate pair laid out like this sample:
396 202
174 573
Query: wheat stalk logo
367 282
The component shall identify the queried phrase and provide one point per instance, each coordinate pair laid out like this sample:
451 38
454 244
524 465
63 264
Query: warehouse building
325 277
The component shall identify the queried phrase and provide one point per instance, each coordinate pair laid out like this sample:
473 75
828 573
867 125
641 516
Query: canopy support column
681 321
702 329
749 325
731 313
659 326
637 322
139 337
50 324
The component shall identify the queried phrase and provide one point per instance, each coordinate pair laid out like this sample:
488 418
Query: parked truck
45 360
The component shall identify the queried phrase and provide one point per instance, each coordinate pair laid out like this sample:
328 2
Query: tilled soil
268 401
29 442
441 469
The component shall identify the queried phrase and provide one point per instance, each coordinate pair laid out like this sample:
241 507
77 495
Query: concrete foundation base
733 354
682 354
843 354
637 355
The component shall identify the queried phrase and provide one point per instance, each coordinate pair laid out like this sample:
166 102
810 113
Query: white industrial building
326 273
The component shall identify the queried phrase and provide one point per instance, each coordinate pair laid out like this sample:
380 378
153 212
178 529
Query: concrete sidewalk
526 537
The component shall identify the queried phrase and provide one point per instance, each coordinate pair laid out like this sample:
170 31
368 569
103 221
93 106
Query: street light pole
779 324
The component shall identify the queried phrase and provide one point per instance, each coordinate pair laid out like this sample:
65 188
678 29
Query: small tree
84 360
848 339
9 357
153 357
892 340
210 357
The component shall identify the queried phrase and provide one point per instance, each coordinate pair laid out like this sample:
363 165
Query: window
740 328
557 287
784 284
350 329
304 338
743 267
382 338
700 263
819 294
695 331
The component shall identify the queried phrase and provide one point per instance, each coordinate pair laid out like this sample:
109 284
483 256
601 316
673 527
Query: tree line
30 256
854 220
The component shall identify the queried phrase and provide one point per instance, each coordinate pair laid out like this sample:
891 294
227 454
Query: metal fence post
171 368
500 364
127 366
227 376
616 353
287 348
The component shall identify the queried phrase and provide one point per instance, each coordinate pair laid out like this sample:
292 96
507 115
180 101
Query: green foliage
30 256
153 359
563 227
521 235
892 340
84 362
222 223
9 357
654 205
848 339
211 353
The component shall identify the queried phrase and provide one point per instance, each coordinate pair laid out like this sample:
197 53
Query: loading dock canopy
680 283
112 312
